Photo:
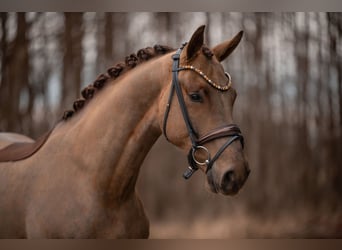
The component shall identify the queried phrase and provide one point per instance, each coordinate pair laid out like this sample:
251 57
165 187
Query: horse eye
196 97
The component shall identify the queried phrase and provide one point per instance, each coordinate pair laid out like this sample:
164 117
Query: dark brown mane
120 68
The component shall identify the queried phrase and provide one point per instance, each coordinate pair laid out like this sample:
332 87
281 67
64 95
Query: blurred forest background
288 74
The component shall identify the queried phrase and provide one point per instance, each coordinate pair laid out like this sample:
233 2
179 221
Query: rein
232 131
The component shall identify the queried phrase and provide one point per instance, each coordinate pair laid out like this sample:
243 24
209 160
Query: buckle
176 56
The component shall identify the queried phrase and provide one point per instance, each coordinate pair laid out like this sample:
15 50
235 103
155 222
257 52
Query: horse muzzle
229 182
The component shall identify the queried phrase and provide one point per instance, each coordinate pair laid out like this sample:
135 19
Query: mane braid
114 72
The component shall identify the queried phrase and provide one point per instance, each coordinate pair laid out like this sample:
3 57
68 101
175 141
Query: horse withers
79 180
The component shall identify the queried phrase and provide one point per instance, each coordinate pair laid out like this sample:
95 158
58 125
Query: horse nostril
248 172
228 178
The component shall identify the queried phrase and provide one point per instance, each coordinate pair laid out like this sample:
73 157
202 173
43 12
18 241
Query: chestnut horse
79 180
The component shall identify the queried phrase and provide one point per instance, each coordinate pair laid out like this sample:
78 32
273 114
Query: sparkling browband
205 77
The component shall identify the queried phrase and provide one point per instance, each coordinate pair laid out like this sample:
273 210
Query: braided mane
114 72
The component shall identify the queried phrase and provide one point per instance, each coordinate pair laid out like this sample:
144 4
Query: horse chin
210 184
229 192
212 188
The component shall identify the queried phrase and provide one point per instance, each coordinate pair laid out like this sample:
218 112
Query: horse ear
196 42
223 50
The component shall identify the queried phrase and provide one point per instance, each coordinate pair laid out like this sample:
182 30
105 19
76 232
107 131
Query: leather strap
175 87
175 83
225 131
222 149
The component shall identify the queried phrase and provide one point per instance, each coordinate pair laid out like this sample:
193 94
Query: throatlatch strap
167 111
176 87
181 101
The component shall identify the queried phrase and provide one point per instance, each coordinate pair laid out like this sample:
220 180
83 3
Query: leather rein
232 131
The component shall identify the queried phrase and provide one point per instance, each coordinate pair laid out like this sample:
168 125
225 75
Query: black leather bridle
232 131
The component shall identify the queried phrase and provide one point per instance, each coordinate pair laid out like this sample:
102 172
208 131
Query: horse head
198 115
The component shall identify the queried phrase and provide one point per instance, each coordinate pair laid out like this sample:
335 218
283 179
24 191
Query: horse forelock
114 72
207 52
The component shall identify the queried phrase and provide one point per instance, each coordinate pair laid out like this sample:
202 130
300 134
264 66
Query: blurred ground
294 224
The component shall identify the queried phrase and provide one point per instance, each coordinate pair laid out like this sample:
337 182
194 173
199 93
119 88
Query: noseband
232 131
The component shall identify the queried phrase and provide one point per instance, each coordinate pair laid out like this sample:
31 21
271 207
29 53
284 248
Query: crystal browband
205 77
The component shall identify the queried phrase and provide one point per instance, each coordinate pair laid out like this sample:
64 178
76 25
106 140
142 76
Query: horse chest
126 221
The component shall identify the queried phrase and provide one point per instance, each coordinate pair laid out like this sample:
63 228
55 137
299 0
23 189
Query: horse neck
117 128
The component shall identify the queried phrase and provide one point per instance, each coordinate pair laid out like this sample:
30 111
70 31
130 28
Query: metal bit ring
199 162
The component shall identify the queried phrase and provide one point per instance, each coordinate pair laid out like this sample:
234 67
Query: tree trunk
73 59
108 39
15 74
4 89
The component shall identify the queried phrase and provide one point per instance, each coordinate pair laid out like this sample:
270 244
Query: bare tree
15 72
73 58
